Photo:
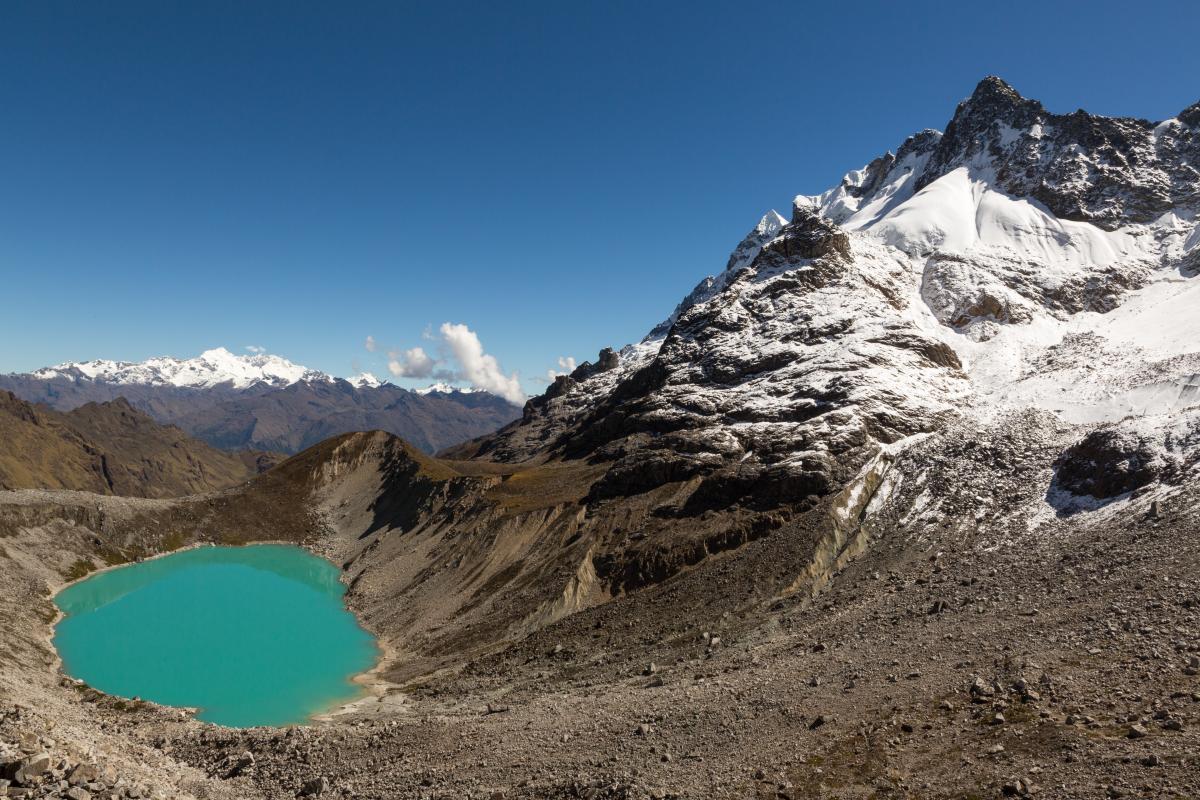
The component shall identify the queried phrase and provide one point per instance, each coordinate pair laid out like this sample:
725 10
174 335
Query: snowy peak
1108 171
768 228
993 101
446 388
1023 259
748 249
365 380
211 368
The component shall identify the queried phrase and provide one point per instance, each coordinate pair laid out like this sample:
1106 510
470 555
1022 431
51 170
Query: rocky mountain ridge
927 283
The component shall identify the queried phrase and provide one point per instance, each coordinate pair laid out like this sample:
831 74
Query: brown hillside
109 448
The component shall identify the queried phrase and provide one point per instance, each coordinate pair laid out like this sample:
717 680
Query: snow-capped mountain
265 402
366 380
1021 259
441 387
214 367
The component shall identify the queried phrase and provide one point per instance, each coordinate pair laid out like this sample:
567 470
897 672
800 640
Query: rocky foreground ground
995 646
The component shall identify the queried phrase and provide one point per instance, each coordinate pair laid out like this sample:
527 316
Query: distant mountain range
265 402
111 448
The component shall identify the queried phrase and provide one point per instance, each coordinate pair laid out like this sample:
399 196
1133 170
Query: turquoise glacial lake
250 635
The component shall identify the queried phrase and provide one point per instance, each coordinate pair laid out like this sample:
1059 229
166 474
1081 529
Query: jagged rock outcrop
1130 455
765 391
1105 170
1109 462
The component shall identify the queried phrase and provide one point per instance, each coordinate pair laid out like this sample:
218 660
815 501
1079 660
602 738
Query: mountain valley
900 504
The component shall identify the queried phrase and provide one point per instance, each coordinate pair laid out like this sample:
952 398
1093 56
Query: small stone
650 669
78 793
820 720
315 786
83 774
980 691
643 730
997 719
995 749
1136 731
1151 760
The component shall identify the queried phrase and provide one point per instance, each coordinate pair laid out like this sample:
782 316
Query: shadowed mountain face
286 418
111 448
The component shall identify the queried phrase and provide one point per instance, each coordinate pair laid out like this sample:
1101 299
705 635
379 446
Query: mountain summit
214 367
1020 259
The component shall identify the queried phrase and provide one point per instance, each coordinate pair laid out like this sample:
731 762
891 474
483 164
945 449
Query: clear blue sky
554 175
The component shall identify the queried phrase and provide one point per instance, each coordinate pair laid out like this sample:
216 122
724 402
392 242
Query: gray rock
82 774
315 787
35 766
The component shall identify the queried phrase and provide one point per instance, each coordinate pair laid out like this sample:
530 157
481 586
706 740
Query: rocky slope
900 504
264 402
111 448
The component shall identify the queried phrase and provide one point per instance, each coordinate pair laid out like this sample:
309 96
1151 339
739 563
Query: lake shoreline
365 681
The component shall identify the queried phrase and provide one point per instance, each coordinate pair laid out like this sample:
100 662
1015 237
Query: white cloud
459 358
566 365
476 366
414 363
255 349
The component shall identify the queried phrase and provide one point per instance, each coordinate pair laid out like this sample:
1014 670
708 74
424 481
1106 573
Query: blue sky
554 176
